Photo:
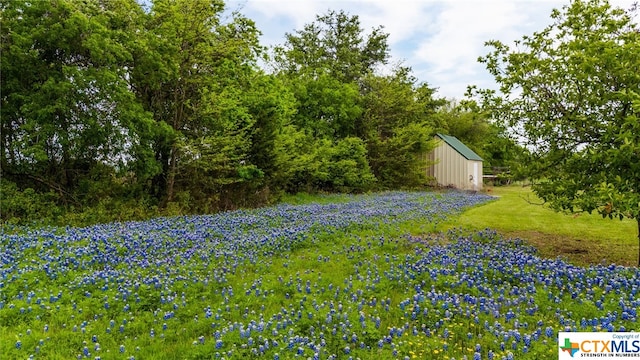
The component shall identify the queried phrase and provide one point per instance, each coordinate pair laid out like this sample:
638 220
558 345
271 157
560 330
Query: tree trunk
178 115
172 173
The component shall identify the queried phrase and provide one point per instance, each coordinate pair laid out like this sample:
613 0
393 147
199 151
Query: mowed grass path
581 238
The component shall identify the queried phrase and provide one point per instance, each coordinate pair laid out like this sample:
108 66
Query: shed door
476 175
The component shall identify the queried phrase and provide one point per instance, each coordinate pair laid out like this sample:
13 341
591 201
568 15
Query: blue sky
439 40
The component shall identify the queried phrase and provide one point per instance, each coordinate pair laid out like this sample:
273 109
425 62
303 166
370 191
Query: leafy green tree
342 166
467 122
326 107
324 64
335 45
271 104
69 119
398 127
233 160
192 71
571 90
294 159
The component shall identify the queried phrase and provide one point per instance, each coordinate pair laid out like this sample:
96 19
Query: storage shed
452 163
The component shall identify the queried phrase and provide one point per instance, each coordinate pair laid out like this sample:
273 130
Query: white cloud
402 19
463 27
449 57
440 40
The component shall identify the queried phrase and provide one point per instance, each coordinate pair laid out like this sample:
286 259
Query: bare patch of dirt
576 251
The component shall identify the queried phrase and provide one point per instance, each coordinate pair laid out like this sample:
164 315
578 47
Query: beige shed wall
456 170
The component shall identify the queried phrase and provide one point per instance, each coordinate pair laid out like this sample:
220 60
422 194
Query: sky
440 40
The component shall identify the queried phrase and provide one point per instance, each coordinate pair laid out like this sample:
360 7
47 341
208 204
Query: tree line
113 111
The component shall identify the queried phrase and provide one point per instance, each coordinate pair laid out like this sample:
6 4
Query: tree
398 126
192 71
333 45
325 64
327 107
571 91
69 119
229 162
466 121
308 164
104 103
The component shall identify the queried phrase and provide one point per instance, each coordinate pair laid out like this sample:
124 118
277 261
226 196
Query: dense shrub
308 164
27 206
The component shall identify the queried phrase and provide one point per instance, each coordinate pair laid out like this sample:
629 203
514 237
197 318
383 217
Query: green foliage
271 105
606 175
326 106
108 103
199 69
26 206
343 166
308 164
330 67
467 122
398 126
324 64
394 101
400 161
572 89
33 208
334 45
66 104
109 209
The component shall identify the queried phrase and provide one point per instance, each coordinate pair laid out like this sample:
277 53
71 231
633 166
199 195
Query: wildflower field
363 278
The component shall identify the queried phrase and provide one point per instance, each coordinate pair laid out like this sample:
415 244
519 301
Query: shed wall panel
453 169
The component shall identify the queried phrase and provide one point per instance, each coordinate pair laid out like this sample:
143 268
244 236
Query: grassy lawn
581 238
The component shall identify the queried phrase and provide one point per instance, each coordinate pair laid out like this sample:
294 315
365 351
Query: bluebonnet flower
477 284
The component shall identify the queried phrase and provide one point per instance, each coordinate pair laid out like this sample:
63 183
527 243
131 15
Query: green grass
338 283
305 198
581 238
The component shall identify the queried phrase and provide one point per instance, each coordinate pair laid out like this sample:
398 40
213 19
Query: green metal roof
461 148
